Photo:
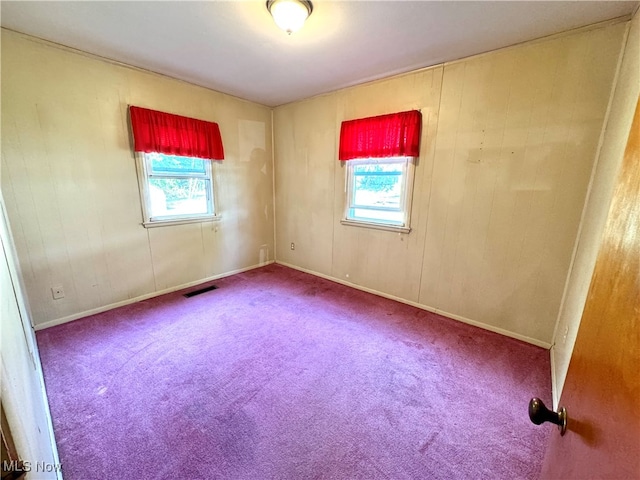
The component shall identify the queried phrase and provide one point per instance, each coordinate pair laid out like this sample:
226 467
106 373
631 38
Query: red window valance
393 135
175 135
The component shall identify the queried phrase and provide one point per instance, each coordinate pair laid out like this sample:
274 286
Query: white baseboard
484 326
93 311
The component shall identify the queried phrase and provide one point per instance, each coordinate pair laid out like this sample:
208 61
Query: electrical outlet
293 246
57 292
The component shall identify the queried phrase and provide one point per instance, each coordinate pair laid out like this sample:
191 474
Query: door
23 397
602 389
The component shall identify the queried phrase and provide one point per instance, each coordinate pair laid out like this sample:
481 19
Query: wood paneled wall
24 399
509 142
602 388
69 181
595 213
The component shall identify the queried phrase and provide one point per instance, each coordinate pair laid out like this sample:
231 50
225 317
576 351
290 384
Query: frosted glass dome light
289 15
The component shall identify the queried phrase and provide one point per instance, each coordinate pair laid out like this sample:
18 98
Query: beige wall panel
498 192
310 184
597 206
519 157
385 261
579 105
23 396
405 92
175 256
212 264
73 197
437 217
517 137
306 150
474 158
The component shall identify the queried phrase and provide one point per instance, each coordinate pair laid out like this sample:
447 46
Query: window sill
180 221
376 226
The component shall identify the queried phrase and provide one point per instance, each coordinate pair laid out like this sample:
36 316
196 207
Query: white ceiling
235 47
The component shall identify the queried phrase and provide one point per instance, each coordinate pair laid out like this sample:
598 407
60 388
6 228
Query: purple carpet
278 374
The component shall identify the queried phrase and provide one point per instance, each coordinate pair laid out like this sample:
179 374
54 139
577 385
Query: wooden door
602 390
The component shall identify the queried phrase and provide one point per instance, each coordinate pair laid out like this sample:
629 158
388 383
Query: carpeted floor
278 374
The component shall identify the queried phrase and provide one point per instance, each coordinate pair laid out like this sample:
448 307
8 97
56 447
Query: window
379 192
379 154
175 189
174 157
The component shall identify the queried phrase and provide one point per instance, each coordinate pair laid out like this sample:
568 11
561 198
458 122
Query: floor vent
198 292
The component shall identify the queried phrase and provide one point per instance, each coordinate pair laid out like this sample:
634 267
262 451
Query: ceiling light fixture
289 15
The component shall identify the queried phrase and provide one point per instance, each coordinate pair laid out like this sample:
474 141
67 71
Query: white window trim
406 201
142 169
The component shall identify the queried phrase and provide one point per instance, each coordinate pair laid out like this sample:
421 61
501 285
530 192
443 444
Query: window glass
378 191
175 188
173 164
378 185
178 196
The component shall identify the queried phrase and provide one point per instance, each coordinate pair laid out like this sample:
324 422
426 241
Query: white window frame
145 173
406 196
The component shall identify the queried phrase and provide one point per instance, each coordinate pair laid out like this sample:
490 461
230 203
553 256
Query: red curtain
175 135
393 135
